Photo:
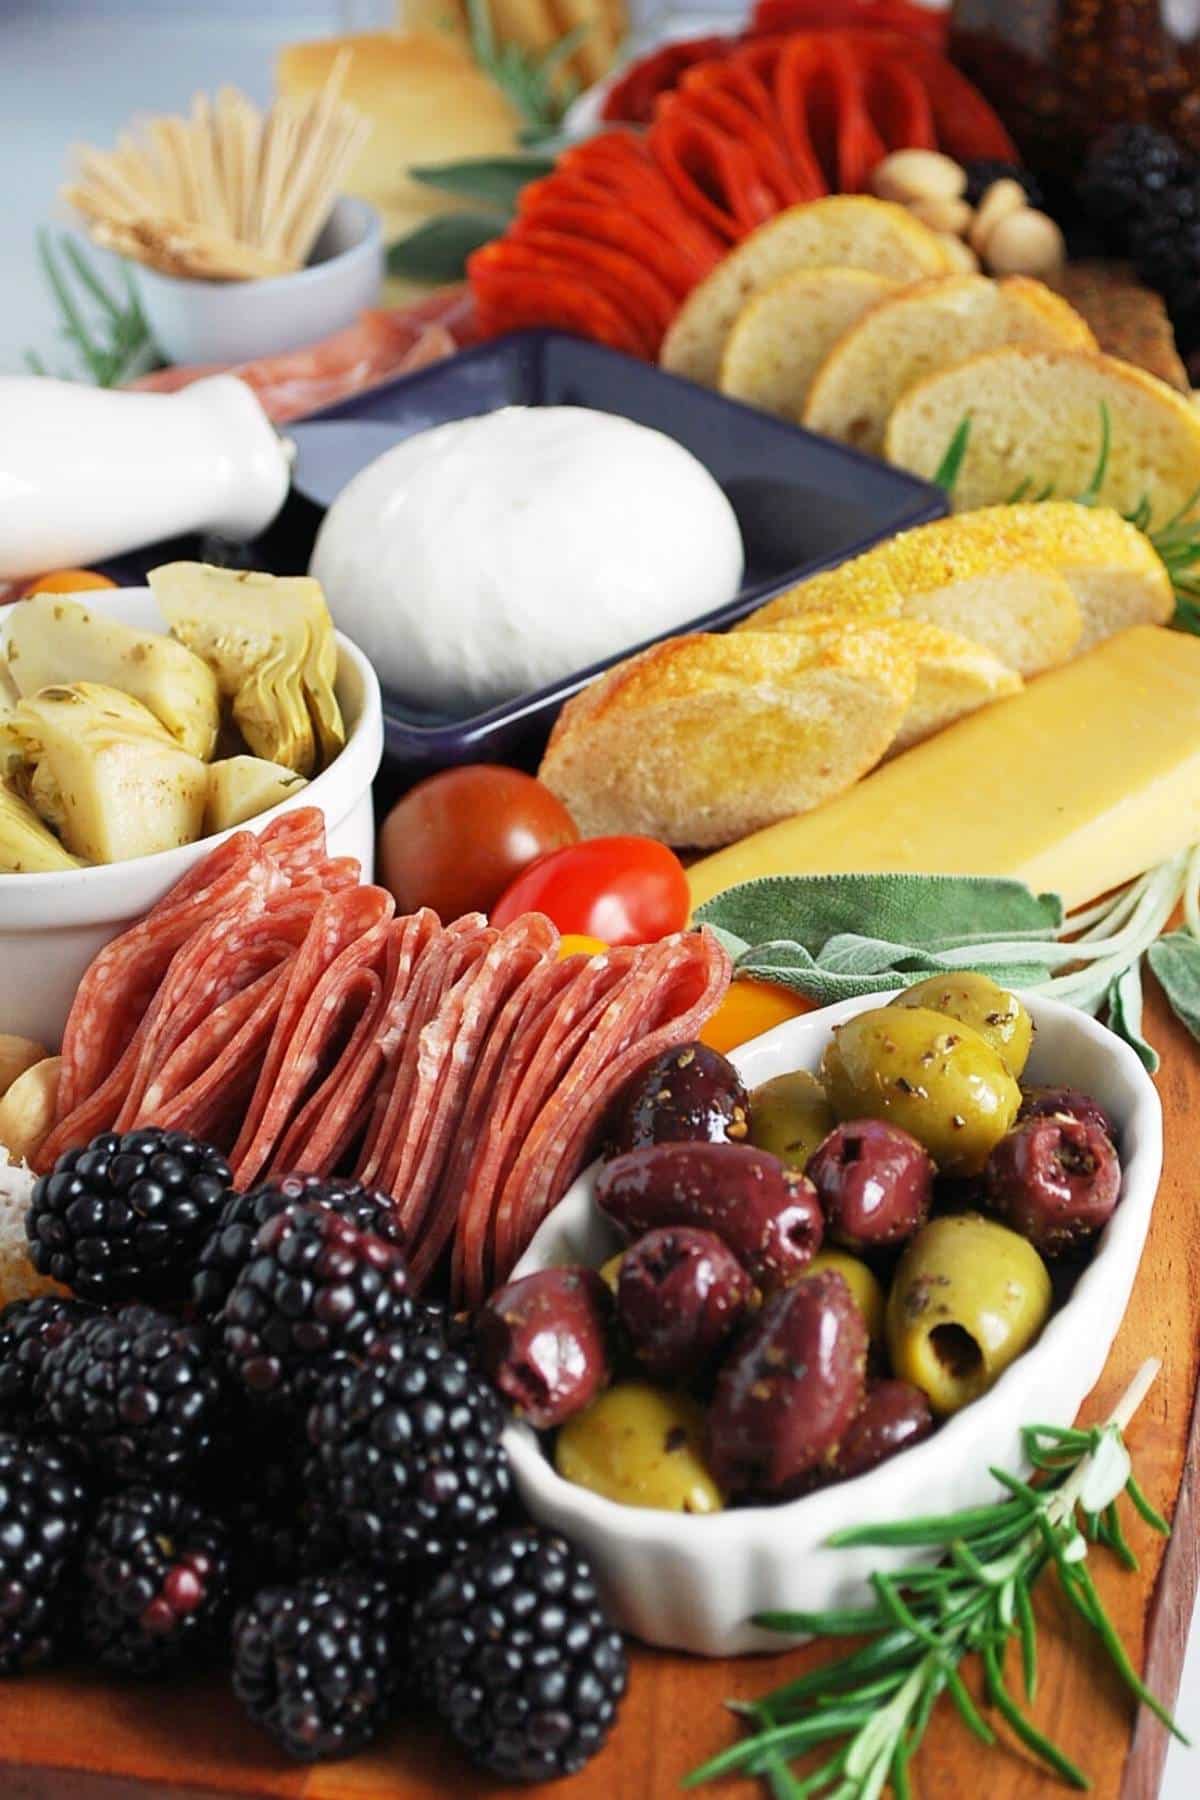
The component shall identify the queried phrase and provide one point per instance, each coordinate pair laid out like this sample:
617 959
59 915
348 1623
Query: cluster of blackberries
241 1390
1142 191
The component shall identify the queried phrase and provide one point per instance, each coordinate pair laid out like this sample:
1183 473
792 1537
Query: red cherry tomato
623 890
456 840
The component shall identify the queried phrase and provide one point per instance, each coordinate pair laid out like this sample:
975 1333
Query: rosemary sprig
531 82
118 345
872 1707
1177 539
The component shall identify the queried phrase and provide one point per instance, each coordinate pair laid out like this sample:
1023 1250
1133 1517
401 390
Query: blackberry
136 1393
28 1329
519 1657
125 1219
315 1287
315 1664
1128 173
227 1249
1165 245
407 1453
42 1515
985 170
155 1575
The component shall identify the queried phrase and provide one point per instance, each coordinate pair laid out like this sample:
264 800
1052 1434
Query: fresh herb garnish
533 83
1177 539
118 345
875 1704
438 249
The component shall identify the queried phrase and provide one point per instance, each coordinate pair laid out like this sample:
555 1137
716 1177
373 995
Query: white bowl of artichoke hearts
140 726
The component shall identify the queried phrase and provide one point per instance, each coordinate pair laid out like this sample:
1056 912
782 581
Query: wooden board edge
20 1781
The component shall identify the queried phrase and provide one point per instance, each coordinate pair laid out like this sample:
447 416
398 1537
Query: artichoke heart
53 641
117 778
241 787
26 847
9 692
271 642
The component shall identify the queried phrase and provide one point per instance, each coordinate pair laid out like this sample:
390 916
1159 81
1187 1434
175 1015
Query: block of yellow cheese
1085 779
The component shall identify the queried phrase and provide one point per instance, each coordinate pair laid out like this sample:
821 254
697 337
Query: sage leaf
438 249
1125 1013
493 181
1175 960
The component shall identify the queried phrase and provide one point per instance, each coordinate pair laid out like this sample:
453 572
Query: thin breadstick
212 211
105 172
317 127
309 227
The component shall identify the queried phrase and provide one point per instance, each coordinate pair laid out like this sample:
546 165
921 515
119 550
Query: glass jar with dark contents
1060 71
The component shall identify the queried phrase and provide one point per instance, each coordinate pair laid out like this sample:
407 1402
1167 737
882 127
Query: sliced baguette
1032 583
1036 419
783 334
845 231
931 326
954 675
701 739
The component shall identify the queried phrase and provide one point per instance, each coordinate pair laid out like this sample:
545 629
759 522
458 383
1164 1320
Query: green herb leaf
528 80
118 345
438 249
1175 960
1125 1013
948 470
494 181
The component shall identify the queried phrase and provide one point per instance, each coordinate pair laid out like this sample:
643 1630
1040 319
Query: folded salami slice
325 1128
675 988
340 921
209 1099
296 841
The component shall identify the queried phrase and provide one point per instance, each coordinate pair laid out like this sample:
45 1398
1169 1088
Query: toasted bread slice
930 326
845 231
703 738
783 334
1036 418
954 676
1129 319
1032 583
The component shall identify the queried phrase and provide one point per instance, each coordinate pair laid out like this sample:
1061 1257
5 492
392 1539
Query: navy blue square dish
802 501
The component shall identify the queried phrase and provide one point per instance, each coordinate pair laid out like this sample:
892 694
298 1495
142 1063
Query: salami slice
210 1100
339 921
296 841
325 1128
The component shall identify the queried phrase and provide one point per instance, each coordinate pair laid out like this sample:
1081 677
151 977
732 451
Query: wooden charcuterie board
80 1736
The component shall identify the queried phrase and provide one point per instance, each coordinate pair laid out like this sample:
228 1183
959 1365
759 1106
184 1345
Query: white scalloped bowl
693 1583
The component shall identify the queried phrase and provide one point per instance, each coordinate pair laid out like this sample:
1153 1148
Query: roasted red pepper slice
822 15
633 95
644 296
713 174
639 183
730 115
514 256
588 212
898 104
512 297
966 125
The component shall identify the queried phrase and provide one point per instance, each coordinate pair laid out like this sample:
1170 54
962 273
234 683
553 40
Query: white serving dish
235 321
51 926
692 1583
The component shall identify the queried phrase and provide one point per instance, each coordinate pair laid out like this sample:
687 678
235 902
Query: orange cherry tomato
456 840
623 890
748 1009
575 944
66 581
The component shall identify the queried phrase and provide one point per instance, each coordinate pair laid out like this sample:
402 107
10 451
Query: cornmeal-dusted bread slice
996 576
702 738
1036 418
954 676
932 325
784 333
844 231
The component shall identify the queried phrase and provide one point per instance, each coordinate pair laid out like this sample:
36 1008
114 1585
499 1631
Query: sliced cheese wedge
1084 780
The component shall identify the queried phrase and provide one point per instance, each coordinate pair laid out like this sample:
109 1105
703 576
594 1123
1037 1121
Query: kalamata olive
685 1095
789 1115
895 1415
768 1215
610 1272
927 1073
874 1182
641 1446
788 1392
863 1283
543 1341
967 1298
976 1000
1054 1179
680 1294
1049 1102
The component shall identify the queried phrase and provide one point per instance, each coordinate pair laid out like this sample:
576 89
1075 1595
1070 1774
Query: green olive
928 1074
863 1283
642 1446
975 1000
789 1116
967 1298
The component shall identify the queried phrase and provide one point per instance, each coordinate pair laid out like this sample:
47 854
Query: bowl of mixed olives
822 1283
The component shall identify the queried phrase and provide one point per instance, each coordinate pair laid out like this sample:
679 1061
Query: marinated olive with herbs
787 1394
543 1342
874 1182
1054 1179
967 1298
895 1415
768 1215
1054 1102
865 1288
975 1000
934 1077
681 1292
684 1095
642 1446
789 1116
